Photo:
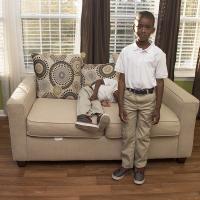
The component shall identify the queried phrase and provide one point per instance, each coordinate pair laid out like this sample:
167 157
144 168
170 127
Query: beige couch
43 129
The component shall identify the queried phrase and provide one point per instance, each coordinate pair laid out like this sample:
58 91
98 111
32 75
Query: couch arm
18 107
186 107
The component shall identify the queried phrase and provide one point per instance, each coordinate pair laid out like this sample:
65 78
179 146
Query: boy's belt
141 91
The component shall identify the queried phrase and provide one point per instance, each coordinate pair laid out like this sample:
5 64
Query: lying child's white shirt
107 89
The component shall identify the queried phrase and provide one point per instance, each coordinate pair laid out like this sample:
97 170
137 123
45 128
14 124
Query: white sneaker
103 121
87 126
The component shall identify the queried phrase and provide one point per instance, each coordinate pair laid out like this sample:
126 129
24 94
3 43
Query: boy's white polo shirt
142 67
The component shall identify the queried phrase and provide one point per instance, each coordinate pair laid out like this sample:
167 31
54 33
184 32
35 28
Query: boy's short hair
146 14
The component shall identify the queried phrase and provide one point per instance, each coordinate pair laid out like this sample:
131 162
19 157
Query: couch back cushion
115 57
92 72
58 76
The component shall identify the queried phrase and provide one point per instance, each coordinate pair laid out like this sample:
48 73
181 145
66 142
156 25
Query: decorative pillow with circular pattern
58 76
91 72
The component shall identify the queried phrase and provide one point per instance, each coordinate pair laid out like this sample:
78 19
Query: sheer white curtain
13 68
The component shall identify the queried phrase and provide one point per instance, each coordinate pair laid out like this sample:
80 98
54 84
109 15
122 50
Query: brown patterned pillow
92 72
58 76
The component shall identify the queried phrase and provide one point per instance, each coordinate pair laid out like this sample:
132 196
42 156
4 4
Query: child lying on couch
90 101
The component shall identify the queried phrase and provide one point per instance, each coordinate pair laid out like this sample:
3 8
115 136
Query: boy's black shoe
84 118
118 174
139 176
84 122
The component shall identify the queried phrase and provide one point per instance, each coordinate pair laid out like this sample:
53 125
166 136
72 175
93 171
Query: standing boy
142 68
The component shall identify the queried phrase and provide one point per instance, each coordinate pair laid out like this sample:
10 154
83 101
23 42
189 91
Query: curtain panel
196 84
95 31
167 31
14 64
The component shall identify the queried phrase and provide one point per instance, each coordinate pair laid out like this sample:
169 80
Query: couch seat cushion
55 118
169 124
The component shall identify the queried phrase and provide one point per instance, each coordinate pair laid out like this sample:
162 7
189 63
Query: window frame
180 69
124 17
49 16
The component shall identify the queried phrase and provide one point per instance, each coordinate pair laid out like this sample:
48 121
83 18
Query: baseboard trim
2 113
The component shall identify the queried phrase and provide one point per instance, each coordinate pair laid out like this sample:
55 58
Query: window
1 39
189 35
50 26
122 16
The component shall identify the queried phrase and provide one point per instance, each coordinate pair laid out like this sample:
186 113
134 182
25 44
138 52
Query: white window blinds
122 17
189 35
50 26
1 39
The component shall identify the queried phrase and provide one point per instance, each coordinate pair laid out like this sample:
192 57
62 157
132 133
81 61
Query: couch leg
21 163
181 160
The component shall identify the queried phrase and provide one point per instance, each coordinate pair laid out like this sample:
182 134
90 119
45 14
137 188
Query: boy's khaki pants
85 106
136 132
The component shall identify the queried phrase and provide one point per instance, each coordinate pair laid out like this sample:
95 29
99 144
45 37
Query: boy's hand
97 83
106 103
93 97
155 116
116 95
123 115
